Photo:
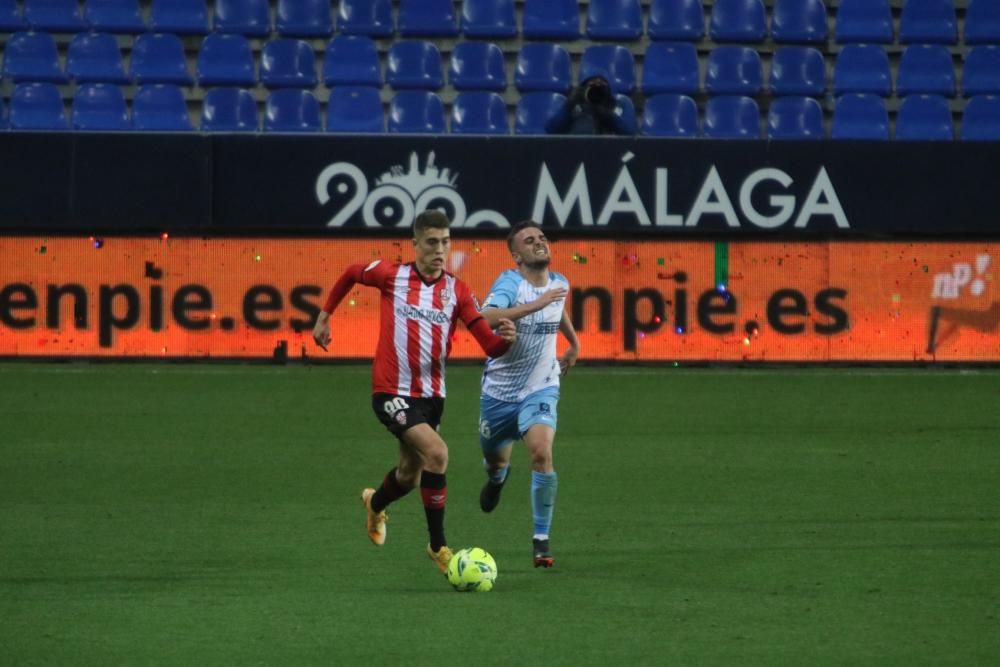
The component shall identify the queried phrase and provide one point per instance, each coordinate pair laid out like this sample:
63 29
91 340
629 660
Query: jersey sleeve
503 294
466 310
375 274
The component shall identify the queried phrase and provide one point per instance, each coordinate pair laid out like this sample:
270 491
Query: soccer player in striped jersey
419 306
521 389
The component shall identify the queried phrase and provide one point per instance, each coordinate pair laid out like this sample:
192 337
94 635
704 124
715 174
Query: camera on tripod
597 93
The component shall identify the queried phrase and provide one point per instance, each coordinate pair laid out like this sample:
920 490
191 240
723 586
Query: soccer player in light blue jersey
521 388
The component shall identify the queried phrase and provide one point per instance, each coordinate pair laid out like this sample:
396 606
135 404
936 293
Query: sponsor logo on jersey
426 314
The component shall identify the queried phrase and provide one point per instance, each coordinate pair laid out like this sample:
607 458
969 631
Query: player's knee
541 459
436 458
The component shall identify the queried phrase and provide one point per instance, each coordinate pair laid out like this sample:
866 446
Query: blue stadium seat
734 70
680 20
670 67
184 17
366 17
625 110
159 58
479 112
427 18
795 21
860 116
32 56
290 110
160 108
669 115
11 19
982 22
862 68
94 57
492 19
620 20
477 66
543 66
416 111
551 19
928 22
797 70
54 15
795 118
37 106
355 109
732 117
980 122
926 69
863 21
981 74
229 110
4 119
243 17
924 118
100 107
612 61
738 21
535 109
288 63
225 60
351 60
115 16
414 64
304 18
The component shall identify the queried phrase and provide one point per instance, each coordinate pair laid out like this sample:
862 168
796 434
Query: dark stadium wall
329 186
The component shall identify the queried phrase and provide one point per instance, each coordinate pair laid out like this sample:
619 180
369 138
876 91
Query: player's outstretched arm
356 273
494 315
493 344
572 353
321 332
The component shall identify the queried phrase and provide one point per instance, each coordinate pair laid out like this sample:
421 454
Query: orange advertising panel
631 301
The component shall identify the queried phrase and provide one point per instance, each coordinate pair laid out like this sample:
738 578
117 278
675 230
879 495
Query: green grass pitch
209 515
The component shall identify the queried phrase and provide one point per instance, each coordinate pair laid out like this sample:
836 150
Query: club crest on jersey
445 296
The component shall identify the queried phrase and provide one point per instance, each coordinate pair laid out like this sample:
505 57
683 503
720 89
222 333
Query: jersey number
395 405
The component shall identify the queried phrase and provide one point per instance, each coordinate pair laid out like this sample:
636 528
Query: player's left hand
506 330
568 360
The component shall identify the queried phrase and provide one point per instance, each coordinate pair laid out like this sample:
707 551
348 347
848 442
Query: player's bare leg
544 482
425 443
497 464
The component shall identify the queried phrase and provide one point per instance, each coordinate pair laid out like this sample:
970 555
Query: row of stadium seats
354 60
791 21
161 107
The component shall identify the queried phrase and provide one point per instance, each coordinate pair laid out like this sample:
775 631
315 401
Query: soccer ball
472 569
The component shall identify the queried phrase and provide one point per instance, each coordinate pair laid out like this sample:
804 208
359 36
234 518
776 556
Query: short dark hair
524 224
430 219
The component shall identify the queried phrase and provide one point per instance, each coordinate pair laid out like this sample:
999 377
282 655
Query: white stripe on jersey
400 289
426 337
443 331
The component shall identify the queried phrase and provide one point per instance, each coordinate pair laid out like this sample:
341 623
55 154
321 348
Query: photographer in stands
592 109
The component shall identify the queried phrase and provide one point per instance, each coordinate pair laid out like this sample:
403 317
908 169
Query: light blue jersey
531 363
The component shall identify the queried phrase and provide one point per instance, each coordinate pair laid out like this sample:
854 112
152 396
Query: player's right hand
550 296
321 332
506 330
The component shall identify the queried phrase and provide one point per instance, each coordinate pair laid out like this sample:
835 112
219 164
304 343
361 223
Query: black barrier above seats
336 185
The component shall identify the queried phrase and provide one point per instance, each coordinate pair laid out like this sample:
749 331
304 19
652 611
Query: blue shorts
501 423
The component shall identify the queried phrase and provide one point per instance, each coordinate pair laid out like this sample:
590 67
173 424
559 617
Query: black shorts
398 413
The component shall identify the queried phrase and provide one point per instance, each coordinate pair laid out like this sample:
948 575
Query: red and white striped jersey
416 324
